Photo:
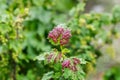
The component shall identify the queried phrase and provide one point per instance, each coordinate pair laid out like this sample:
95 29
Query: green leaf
81 6
82 61
4 28
57 67
67 73
41 57
39 13
57 75
48 76
38 2
63 5
58 19
65 50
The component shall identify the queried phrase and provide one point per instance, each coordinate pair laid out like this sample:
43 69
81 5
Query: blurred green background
24 26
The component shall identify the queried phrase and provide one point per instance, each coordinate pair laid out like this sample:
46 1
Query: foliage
25 24
113 73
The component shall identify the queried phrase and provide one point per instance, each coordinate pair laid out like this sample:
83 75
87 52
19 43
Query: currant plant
24 34
63 67
89 35
11 39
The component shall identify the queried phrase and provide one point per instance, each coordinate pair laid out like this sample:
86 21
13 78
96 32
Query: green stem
61 48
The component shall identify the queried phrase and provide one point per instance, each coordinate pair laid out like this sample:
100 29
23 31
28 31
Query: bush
24 29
